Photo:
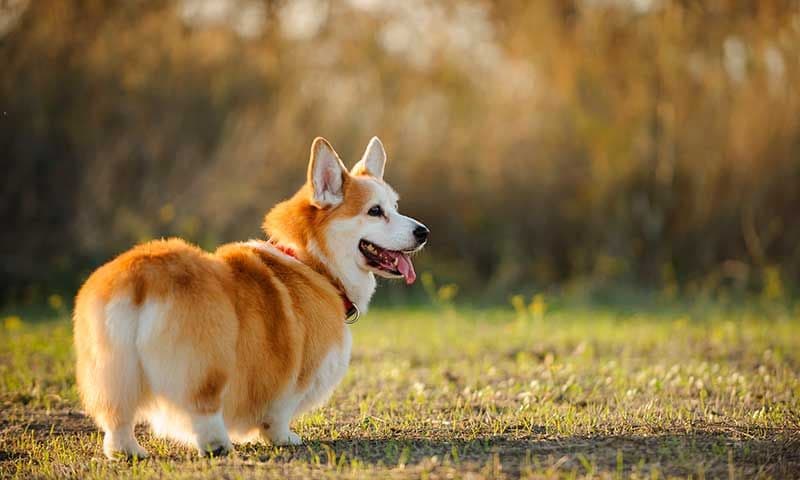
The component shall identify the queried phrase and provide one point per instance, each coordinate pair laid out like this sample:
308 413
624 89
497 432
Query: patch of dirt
43 423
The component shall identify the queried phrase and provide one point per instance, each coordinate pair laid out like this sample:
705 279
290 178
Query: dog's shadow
712 451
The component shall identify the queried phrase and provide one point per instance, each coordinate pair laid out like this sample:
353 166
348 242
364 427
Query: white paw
123 450
288 438
219 448
211 438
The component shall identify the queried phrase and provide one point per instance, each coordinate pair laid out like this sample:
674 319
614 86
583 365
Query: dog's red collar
351 310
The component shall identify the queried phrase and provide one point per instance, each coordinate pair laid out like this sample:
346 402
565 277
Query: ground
453 392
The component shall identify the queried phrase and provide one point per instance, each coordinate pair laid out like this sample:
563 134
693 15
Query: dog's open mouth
392 262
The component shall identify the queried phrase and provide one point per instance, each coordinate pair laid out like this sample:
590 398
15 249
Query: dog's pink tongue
405 267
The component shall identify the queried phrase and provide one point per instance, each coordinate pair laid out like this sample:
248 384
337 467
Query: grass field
452 393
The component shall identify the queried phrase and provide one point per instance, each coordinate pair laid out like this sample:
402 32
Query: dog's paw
215 449
289 438
123 447
134 452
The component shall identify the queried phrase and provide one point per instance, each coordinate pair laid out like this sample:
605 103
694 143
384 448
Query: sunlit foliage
653 142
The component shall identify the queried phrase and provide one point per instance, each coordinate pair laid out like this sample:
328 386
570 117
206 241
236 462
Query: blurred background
583 147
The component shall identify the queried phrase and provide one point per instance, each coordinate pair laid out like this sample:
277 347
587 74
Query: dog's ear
325 175
373 161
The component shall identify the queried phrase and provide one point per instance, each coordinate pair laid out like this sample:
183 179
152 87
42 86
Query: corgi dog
211 348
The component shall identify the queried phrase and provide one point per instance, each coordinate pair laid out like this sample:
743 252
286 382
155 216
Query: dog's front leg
279 435
275 426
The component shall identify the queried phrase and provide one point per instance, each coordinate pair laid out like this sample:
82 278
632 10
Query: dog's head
349 220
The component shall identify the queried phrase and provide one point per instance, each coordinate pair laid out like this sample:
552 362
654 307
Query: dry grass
443 393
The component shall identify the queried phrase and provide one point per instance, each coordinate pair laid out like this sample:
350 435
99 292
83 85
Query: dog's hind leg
188 352
108 371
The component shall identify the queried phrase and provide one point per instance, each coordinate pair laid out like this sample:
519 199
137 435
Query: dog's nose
421 234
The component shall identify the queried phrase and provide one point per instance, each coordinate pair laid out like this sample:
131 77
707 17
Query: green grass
452 393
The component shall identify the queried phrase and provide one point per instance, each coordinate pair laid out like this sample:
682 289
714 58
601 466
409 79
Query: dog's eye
375 211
